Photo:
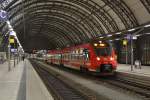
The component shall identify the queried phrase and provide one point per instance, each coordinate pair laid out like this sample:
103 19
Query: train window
57 56
78 57
74 56
67 56
62 56
77 51
73 52
103 51
71 56
81 51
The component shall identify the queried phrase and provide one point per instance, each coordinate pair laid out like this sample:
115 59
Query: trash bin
0 60
137 64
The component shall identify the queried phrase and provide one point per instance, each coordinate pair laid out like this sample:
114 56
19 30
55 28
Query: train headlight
111 58
98 58
95 44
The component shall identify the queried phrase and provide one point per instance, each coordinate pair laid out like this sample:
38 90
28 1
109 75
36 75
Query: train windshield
106 51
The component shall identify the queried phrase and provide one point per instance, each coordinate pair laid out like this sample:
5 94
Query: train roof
67 49
87 45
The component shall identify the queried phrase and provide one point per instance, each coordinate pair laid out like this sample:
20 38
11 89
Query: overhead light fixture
100 41
8 22
12 33
117 39
147 25
118 33
109 35
138 35
147 33
134 37
9 26
95 44
101 37
131 30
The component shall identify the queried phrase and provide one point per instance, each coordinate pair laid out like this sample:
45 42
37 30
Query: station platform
126 68
21 83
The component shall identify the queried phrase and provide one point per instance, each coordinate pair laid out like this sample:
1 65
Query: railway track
139 86
59 89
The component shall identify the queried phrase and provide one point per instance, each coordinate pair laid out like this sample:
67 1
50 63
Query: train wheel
114 73
83 69
61 65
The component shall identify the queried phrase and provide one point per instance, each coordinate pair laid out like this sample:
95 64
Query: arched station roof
50 24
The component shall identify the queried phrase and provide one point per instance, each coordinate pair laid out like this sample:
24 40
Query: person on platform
23 57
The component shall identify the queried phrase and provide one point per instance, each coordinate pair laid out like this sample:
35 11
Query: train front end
104 59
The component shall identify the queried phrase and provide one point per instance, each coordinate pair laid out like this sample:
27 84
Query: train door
86 57
61 60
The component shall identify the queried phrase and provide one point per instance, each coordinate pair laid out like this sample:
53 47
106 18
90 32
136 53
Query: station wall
141 50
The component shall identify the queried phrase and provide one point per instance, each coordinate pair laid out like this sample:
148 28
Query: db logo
3 15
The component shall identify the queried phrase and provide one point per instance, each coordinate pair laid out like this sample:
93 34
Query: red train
98 57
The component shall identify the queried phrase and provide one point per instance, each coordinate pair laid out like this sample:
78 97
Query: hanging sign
125 42
11 41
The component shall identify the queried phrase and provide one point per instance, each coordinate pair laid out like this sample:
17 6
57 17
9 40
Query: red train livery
97 57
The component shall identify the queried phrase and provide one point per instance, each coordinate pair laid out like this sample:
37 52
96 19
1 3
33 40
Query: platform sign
3 16
11 40
125 42
13 50
12 33
129 37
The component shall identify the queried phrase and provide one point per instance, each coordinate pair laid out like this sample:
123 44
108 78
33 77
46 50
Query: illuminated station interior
74 49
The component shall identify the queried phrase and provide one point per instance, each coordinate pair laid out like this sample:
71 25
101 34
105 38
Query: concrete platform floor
21 83
126 68
100 89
